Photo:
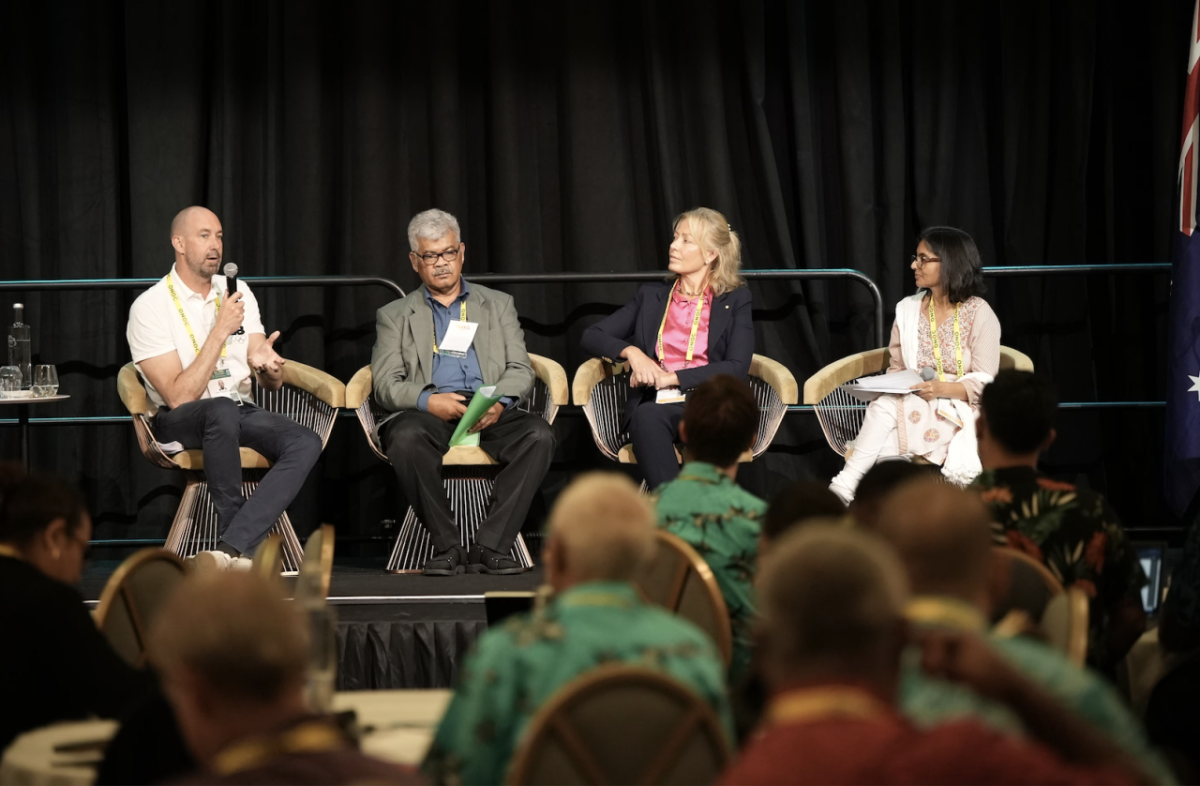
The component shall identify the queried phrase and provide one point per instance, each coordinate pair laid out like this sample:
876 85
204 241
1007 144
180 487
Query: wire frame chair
309 396
468 473
621 724
132 598
841 415
601 387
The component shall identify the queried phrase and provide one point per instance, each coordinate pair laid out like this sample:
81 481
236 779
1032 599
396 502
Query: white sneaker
218 561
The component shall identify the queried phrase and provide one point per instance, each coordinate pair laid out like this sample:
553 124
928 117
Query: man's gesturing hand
264 359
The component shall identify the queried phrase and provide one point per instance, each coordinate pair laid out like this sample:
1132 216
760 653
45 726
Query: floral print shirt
1074 532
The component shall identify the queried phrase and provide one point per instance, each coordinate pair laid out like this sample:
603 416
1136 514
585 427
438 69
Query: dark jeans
415 441
220 427
654 429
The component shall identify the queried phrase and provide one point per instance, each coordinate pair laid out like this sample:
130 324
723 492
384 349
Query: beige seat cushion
464 455
194 459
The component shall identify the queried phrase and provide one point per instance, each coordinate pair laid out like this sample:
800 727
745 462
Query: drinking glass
10 381
45 381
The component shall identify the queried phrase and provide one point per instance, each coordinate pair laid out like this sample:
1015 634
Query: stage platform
394 631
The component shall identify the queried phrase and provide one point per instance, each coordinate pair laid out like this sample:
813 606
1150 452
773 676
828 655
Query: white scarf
962 457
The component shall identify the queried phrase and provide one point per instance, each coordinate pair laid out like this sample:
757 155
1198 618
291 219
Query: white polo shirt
155 328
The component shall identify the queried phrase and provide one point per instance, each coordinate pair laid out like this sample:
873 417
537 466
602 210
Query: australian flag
1183 343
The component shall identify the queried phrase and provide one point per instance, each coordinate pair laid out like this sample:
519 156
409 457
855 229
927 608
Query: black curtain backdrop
565 137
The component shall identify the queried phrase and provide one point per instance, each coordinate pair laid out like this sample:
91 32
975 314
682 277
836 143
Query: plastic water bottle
18 346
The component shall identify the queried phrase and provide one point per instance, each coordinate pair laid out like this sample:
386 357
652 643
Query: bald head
831 602
942 535
198 240
601 529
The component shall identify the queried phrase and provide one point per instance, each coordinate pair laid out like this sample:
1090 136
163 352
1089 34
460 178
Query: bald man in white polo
196 347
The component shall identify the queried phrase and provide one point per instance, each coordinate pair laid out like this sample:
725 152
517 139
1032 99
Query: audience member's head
1017 412
600 529
798 503
831 604
879 481
719 421
942 535
232 654
46 522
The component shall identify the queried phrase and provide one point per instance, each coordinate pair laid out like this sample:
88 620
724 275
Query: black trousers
654 429
415 442
219 426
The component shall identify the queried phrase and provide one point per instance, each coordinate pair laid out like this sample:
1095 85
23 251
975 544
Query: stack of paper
868 388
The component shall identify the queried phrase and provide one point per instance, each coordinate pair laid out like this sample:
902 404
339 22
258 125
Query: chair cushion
464 455
194 459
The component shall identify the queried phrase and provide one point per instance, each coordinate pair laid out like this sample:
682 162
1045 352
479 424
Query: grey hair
431 225
830 595
606 526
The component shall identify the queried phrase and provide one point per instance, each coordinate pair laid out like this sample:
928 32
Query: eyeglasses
922 260
430 257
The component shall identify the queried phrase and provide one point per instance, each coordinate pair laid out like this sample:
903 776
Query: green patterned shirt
719 519
517 667
1075 533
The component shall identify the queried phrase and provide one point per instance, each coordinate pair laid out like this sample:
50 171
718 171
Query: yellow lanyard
937 347
804 705
462 317
310 737
691 349
187 325
9 551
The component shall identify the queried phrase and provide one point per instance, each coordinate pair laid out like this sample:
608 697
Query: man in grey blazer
427 390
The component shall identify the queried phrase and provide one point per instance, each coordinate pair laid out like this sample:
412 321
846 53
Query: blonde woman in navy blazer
705 260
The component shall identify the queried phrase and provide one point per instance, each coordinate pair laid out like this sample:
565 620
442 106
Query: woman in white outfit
951 331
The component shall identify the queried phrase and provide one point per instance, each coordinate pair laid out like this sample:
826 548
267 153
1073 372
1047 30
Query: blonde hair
711 232
605 525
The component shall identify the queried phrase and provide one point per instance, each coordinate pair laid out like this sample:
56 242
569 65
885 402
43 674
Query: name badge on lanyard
459 335
220 384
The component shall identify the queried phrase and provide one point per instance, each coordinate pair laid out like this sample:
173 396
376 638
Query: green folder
481 402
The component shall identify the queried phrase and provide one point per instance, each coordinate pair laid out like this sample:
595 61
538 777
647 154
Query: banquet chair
1065 624
601 388
621 724
1030 584
841 415
308 396
268 559
469 473
316 572
679 579
132 598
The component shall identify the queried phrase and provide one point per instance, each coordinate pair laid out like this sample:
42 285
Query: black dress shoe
485 560
450 562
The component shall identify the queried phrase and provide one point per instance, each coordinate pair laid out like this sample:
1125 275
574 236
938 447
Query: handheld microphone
927 373
231 277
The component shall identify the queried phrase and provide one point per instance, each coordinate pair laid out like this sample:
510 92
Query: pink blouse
681 312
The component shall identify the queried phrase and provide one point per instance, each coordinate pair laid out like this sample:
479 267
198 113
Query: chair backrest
679 579
601 388
308 396
132 599
268 558
1065 624
1028 586
840 414
621 725
316 572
